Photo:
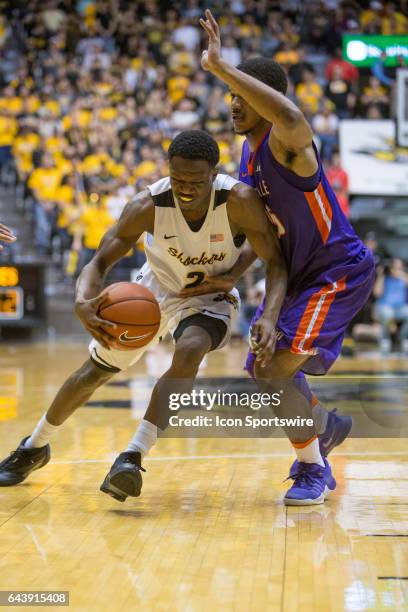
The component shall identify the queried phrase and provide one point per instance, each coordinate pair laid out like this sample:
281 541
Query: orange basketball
135 311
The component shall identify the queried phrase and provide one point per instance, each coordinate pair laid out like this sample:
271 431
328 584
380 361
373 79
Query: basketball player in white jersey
196 222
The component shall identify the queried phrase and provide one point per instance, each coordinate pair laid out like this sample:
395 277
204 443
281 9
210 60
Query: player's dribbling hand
212 56
263 341
6 235
223 283
87 313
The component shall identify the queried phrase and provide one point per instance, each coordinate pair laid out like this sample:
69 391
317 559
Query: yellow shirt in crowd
92 164
69 211
309 94
45 182
13 105
95 222
177 86
144 169
23 147
32 104
397 25
8 128
108 113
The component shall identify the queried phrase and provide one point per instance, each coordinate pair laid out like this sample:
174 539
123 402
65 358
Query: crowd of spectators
385 316
93 91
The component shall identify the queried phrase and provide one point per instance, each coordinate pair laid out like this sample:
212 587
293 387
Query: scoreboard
22 294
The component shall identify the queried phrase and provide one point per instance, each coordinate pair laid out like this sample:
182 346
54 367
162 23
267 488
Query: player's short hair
267 71
195 144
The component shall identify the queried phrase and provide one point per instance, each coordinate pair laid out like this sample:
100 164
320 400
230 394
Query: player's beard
243 132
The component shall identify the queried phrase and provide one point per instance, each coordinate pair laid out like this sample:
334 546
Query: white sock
310 453
320 416
42 434
144 439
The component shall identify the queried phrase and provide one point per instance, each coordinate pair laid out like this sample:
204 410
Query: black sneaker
124 477
22 462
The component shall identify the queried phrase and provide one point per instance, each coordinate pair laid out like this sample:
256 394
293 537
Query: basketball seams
125 302
133 324
130 299
113 304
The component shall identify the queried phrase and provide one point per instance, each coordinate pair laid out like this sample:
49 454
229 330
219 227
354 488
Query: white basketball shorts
173 311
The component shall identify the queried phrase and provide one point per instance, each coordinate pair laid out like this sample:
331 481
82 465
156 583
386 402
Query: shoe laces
15 456
134 461
305 477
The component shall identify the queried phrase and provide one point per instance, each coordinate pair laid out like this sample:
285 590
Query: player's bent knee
92 376
275 370
283 365
272 370
189 353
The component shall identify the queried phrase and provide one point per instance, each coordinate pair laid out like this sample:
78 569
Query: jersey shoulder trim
161 193
223 185
164 200
221 197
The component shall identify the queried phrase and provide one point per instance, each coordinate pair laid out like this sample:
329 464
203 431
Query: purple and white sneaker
312 484
337 429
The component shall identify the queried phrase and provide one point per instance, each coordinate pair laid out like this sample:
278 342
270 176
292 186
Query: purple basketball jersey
331 272
315 236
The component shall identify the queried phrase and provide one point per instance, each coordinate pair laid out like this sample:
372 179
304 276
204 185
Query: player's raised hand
212 56
87 312
6 235
223 283
263 338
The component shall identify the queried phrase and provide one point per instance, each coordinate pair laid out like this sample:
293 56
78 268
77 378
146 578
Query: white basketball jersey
181 257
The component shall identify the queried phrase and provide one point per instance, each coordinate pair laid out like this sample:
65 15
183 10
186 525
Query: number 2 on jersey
198 278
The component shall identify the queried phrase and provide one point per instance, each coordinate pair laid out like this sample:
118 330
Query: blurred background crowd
93 91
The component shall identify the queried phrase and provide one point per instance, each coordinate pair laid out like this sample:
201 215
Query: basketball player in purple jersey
331 272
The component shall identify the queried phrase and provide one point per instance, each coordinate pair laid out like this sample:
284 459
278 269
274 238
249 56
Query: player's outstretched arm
289 123
246 210
136 218
6 235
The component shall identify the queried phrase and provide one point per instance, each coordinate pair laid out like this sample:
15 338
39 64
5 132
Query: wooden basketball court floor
210 530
